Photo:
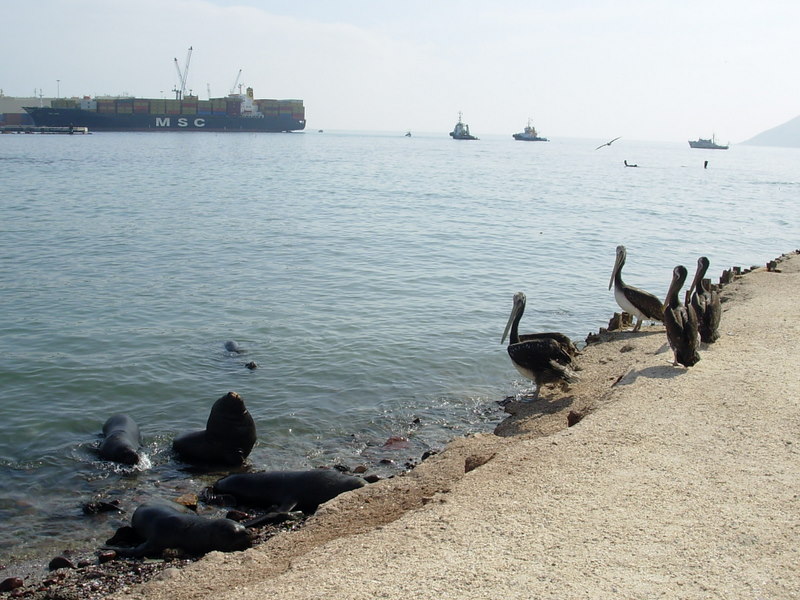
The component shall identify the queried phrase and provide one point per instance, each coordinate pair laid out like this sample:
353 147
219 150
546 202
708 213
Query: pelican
608 143
540 357
680 322
705 303
643 305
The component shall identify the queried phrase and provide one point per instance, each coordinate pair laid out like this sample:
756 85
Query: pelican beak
519 300
614 271
508 325
695 283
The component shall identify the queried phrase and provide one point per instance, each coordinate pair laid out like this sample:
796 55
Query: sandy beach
671 482
676 483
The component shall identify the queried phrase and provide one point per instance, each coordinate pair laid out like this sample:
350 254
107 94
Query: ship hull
524 137
95 121
706 145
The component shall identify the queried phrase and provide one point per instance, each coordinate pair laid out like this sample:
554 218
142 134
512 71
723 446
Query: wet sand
672 482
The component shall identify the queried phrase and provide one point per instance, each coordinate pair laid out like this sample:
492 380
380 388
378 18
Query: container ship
235 112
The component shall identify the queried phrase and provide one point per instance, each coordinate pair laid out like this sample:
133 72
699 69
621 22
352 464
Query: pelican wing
562 340
536 355
650 306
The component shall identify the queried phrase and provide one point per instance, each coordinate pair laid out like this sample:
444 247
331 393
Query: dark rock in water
372 478
396 442
11 583
60 562
251 365
188 500
234 347
101 506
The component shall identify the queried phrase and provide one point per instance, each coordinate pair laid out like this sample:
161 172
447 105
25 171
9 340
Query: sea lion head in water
228 438
160 524
122 440
233 346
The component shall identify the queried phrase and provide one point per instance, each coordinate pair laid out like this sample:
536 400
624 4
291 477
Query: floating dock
37 129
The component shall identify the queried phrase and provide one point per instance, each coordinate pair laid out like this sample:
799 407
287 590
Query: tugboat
707 144
461 131
529 135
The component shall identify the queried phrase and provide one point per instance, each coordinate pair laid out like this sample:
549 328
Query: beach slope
675 483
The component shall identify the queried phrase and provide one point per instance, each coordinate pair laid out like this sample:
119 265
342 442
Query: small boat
710 144
529 135
461 131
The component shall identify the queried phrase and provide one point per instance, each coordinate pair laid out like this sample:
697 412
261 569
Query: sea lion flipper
275 516
287 506
139 551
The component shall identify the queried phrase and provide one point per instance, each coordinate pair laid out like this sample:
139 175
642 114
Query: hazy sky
669 70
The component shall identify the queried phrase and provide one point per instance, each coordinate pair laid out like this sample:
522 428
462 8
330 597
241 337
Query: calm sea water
368 276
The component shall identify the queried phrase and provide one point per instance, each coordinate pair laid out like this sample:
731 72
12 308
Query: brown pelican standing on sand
705 303
643 305
541 357
681 322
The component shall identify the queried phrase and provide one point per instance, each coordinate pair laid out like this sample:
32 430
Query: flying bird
541 357
608 143
639 303
681 322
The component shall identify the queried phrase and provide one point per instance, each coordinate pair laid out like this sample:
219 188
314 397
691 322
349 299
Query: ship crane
236 82
182 77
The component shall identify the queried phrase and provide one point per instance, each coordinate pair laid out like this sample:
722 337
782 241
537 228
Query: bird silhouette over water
608 143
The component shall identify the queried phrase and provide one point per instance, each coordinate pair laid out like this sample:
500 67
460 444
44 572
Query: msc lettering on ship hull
181 122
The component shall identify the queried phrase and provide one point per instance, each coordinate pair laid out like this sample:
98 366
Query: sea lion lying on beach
122 440
284 491
160 524
228 438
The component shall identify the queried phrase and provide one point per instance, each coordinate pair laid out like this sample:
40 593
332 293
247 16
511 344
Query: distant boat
461 131
707 144
529 135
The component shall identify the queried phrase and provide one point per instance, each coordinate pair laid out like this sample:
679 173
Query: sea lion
122 440
283 491
162 524
228 438
232 346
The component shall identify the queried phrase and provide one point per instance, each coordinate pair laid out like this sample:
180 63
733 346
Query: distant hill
787 135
